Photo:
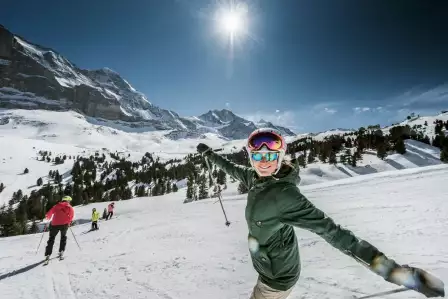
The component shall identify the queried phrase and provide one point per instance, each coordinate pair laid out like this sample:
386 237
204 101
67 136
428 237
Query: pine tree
301 160
127 193
310 158
221 177
162 187
400 147
2 187
323 155
203 188
242 189
190 190
333 159
26 171
444 154
438 140
39 182
168 187
33 228
9 226
353 160
381 151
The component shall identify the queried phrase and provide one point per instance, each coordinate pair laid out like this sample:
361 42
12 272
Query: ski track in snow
58 281
159 248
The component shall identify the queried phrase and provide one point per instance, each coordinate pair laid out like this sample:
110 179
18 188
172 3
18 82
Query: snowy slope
417 154
420 121
27 132
159 248
415 121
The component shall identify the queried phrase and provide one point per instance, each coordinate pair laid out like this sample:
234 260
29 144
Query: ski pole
45 228
219 192
75 238
399 290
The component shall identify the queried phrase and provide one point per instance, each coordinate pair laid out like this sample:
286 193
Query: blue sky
309 65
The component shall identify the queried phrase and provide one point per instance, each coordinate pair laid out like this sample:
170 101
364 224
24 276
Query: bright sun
231 22
232 19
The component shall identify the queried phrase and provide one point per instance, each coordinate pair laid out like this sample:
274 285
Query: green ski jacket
274 206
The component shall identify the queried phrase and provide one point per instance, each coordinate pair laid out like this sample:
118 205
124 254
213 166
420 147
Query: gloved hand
418 280
203 148
410 277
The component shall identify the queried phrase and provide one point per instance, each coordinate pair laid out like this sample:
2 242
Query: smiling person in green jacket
275 205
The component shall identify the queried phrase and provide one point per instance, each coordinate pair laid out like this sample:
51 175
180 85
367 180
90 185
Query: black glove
410 277
203 148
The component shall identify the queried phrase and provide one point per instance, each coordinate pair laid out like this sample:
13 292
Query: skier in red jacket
62 215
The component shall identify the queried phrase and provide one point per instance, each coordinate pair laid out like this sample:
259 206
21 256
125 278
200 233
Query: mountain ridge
38 77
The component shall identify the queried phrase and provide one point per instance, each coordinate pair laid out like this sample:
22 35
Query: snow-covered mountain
26 132
159 248
36 77
232 126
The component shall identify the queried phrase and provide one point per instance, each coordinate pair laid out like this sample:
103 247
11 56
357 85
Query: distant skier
95 218
275 205
62 216
110 209
105 213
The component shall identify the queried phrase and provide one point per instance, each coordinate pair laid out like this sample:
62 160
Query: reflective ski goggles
268 156
270 140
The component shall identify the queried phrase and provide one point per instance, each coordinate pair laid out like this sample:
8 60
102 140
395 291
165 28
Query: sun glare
231 22
232 19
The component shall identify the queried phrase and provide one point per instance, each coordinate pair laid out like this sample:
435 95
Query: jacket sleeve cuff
383 266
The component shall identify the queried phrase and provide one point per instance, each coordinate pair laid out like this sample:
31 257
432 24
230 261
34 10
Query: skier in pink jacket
110 210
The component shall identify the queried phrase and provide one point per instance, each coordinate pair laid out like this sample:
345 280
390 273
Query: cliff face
36 77
6 43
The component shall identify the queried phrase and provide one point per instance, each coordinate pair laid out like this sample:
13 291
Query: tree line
93 179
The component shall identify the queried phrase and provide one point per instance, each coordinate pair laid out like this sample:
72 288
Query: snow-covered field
23 133
160 248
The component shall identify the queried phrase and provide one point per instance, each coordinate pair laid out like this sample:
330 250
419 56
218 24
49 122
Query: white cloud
277 111
228 105
368 109
423 99
361 109
324 108
330 110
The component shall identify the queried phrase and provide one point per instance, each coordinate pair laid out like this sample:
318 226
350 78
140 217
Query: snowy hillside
425 124
417 155
414 122
323 135
157 248
68 133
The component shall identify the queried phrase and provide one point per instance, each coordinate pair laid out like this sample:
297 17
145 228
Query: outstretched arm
239 172
295 209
